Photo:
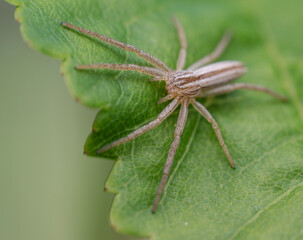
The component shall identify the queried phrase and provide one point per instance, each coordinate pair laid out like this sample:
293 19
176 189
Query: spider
183 86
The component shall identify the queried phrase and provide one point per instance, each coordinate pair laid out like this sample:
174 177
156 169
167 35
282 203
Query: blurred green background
49 189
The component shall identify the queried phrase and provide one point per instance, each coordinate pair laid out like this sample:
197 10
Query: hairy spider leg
205 113
155 72
166 98
146 56
182 38
232 87
172 151
161 117
215 54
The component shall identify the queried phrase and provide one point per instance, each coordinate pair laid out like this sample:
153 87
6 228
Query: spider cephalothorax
183 86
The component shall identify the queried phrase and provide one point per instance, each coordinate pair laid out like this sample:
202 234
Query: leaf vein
300 137
258 214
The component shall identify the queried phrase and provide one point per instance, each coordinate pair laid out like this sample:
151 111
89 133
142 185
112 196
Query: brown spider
183 86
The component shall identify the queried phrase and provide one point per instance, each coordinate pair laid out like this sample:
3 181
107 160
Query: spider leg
215 54
203 111
146 56
166 98
126 67
161 117
183 43
179 129
233 87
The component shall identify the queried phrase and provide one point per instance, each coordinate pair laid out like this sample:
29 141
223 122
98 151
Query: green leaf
204 197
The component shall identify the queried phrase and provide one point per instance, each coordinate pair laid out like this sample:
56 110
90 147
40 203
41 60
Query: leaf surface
204 197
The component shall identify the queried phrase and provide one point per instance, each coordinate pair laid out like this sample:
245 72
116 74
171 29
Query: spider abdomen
190 83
